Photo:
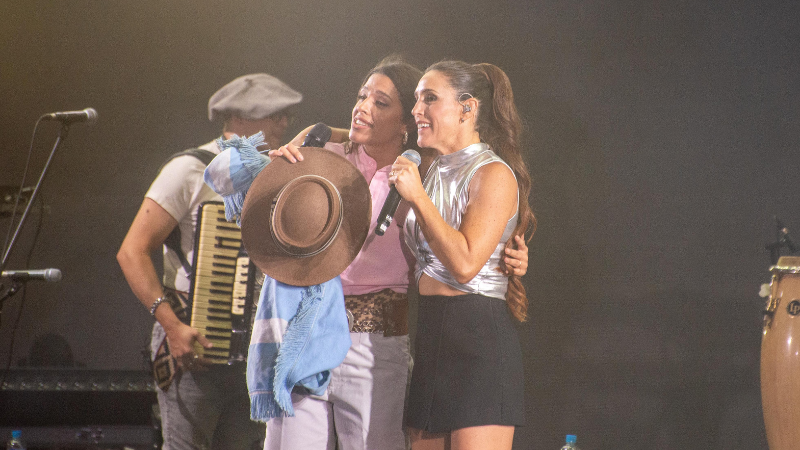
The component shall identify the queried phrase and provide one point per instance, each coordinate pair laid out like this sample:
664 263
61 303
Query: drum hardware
772 302
782 239
780 356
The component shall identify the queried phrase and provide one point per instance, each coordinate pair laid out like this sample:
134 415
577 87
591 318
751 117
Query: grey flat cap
252 97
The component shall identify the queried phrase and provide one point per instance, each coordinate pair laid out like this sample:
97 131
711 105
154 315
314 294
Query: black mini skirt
467 365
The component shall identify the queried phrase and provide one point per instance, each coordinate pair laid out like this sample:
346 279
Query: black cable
24 289
24 293
19 193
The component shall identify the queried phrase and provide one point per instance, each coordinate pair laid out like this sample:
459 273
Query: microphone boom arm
62 134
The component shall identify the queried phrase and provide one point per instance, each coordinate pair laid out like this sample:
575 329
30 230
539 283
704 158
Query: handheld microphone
51 275
318 136
88 115
393 199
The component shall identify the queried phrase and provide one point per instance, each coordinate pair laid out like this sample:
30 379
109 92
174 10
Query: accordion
222 287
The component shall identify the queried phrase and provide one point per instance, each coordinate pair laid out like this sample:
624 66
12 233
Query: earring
405 137
461 99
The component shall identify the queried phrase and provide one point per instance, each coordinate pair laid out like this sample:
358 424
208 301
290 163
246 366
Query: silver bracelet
155 305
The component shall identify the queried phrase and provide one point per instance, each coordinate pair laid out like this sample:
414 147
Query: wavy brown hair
499 126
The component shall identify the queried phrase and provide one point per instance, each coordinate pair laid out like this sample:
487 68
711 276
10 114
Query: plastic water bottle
570 445
15 443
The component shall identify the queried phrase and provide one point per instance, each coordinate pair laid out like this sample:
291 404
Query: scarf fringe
233 206
252 161
294 340
263 407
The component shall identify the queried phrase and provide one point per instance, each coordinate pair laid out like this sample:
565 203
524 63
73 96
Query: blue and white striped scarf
300 333
231 173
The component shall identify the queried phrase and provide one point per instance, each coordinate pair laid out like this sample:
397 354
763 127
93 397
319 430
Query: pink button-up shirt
384 261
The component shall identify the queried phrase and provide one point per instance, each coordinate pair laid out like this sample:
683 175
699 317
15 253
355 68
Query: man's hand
181 339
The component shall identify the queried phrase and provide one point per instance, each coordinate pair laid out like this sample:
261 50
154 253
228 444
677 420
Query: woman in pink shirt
363 406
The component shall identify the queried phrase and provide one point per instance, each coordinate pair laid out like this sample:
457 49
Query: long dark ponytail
499 126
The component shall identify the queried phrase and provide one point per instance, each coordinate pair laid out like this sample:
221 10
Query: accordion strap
173 241
179 302
164 365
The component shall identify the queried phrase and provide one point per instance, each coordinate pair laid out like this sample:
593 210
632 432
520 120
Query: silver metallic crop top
447 184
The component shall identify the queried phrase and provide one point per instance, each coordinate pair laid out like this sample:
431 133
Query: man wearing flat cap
202 405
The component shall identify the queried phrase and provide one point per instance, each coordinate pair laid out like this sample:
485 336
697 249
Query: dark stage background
661 140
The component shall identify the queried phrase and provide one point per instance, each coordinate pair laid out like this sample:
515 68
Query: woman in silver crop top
467 386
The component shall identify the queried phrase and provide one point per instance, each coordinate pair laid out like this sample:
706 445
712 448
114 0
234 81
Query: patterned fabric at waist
384 312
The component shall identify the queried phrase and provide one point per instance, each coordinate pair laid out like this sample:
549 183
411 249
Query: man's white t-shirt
180 190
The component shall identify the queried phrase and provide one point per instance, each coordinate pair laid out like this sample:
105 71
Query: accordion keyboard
217 244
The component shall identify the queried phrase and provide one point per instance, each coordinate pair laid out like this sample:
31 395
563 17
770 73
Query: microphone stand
16 284
774 251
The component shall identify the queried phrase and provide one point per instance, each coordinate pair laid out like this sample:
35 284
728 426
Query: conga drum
780 357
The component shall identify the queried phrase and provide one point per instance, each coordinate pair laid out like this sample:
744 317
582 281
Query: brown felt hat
303 223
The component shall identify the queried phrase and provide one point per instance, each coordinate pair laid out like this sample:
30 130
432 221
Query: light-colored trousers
362 408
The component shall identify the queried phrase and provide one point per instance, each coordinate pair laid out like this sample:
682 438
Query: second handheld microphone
317 136
393 199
